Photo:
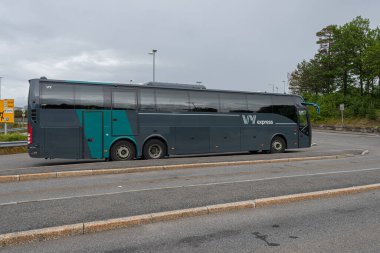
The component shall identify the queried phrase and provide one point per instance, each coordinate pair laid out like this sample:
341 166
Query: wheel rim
277 145
155 151
123 152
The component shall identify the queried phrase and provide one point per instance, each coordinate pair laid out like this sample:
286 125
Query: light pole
284 86
154 51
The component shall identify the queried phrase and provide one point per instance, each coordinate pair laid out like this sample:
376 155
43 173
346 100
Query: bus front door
304 131
93 134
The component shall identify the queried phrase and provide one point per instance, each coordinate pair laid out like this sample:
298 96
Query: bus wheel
154 149
122 151
277 145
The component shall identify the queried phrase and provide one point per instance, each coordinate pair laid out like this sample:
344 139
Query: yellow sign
7 111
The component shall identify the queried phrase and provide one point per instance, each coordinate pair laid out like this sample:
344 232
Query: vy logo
249 119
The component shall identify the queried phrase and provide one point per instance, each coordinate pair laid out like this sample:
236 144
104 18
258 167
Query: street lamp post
284 86
154 51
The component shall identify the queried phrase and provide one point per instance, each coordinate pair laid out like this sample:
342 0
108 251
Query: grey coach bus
75 119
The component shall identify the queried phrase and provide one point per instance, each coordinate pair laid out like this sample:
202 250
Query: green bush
13 137
356 106
372 115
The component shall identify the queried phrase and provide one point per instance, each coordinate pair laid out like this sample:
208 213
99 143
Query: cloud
243 44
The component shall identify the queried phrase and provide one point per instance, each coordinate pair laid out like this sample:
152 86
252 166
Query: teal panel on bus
123 128
120 123
93 132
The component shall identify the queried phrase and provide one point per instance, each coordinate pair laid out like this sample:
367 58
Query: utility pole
154 51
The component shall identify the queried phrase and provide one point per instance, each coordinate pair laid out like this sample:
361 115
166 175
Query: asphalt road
342 224
327 143
45 203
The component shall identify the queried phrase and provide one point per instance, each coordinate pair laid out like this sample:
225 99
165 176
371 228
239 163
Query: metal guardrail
5 144
13 129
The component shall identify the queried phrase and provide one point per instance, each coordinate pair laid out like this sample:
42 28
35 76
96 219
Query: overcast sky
240 44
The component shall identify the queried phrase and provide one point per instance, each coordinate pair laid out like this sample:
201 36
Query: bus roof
159 85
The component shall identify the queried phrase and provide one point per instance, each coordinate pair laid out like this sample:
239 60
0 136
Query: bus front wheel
122 151
154 149
277 145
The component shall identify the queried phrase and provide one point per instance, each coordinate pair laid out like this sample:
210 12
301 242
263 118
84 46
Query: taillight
30 133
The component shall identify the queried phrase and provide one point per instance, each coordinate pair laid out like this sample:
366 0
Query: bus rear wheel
122 151
154 149
277 145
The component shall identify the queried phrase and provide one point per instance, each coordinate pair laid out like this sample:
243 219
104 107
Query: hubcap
155 151
123 152
277 145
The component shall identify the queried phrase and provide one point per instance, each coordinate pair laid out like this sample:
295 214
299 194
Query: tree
361 34
307 78
347 62
371 59
325 57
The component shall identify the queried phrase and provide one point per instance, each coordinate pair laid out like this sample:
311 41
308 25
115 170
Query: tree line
346 67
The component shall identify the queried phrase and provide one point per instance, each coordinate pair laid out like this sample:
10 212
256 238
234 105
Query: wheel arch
282 136
158 137
131 140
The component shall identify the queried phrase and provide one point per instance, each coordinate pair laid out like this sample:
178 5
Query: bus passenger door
124 116
304 129
93 134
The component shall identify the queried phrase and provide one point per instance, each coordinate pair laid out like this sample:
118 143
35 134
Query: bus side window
204 101
57 96
172 100
233 102
147 100
124 100
89 97
259 103
284 105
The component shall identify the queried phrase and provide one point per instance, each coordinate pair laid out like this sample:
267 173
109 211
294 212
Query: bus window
57 96
172 100
147 100
284 105
231 102
123 100
259 103
89 97
204 101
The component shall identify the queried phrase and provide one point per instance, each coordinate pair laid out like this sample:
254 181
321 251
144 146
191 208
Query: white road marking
192 185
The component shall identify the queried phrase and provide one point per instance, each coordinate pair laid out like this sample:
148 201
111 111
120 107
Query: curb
125 222
80 173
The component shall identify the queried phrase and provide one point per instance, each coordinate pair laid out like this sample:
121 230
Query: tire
154 149
277 145
122 151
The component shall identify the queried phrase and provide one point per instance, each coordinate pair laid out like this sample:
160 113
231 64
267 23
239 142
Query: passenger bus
96 120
